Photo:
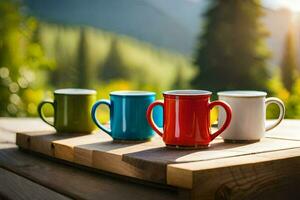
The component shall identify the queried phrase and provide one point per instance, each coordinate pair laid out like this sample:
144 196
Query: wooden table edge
175 172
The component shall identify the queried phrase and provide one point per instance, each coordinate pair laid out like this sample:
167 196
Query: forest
37 57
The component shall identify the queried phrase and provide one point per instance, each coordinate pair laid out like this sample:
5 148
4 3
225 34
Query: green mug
72 108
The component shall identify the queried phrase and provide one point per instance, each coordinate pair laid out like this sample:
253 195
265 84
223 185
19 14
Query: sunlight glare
293 5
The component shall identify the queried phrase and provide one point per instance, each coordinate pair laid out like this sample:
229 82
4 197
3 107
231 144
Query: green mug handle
41 114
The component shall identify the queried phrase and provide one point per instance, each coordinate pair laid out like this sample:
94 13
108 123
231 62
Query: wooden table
266 174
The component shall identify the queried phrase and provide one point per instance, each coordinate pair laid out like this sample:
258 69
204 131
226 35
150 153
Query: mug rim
132 93
187 93
74 91
242 93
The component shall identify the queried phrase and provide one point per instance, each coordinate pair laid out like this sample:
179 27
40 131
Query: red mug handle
150 118
228 116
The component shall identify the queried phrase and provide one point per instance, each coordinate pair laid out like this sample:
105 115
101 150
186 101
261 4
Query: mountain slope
136 18
170 24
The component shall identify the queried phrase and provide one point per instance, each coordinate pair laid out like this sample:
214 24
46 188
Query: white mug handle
280 104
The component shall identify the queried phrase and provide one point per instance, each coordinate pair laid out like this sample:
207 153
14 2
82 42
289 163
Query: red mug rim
187 93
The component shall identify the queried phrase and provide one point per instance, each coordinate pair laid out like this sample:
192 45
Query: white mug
248 121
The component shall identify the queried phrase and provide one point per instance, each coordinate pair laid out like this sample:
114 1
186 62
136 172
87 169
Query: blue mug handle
94 109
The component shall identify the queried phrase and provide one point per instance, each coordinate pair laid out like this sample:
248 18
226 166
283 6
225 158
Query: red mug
187 118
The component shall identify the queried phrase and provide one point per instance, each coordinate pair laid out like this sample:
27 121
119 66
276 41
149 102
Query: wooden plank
175 171
288 129
83 154
265 145
86 185
16 187
109 156
264 170
279 155
64 149
146 160
265 180
262 180
81 184
42 141
30 140
224 171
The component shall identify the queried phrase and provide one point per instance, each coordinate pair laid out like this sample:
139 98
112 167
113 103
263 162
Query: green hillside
170 24
142 64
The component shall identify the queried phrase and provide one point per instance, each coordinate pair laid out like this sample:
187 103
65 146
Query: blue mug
128 115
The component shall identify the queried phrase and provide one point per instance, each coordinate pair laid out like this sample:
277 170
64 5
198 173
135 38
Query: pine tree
36 35
114 68
179 80
65 74
58 77
231 52
83 70
289 62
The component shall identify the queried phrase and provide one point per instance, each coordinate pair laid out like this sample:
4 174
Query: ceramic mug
187 118
128 115
248 115
71 110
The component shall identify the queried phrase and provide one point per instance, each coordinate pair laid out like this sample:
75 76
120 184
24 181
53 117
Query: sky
293 5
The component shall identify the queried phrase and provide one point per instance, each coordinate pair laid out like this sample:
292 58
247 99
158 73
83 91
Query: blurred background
151 45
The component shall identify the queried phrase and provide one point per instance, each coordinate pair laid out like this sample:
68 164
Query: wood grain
73 182
64 148
258 176
109 156
144 160
16 187
80 184
262 180
40 141
268 169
